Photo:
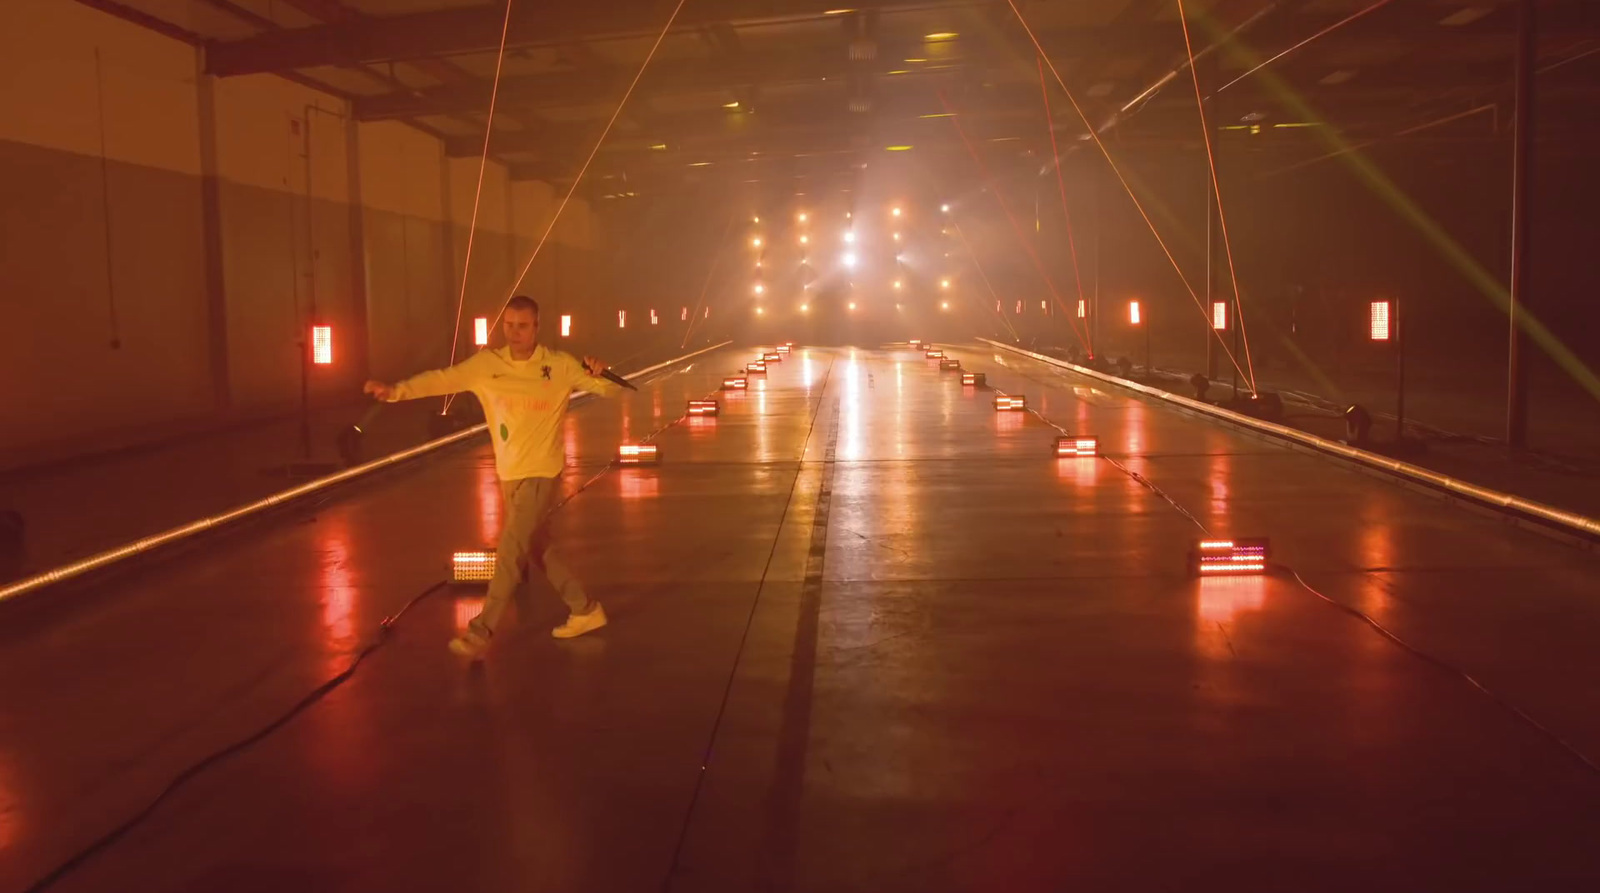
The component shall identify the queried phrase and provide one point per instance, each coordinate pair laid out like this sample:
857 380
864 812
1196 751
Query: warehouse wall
169 239
102 276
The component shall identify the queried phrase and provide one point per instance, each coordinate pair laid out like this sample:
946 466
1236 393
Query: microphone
612 376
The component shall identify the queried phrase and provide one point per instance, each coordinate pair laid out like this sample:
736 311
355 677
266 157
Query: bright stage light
756 242
944 208
480 331
850 236
849 260
852 305
760 289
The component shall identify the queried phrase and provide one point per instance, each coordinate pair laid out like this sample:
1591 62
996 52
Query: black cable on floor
110 837
1450 668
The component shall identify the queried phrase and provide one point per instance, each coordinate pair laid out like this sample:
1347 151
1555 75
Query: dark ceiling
767 90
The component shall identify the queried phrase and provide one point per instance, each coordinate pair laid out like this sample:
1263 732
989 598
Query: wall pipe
150 543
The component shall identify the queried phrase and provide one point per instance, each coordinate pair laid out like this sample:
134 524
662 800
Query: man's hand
379 389
594 366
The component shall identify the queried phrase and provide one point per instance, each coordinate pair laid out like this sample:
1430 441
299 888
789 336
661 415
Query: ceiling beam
459 30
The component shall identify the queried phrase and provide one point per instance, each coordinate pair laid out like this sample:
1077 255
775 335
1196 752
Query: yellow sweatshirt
523 402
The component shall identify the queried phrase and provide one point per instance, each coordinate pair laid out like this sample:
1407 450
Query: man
523 388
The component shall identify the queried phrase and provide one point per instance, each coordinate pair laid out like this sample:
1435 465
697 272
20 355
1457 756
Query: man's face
521 329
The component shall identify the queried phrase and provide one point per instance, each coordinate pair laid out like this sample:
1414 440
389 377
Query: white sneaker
578 624
469 645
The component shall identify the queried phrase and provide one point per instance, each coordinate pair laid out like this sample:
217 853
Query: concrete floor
867 634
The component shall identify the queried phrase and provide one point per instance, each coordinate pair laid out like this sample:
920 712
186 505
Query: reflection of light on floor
466 608
338 590
850 440
1081 470
1220 468
640 486
1008 421
1223 598
1136 423
569 439
10 807
655 403
700 426
487 486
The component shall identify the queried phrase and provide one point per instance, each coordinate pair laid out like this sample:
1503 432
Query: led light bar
759 367
783 348
949 365
704 407
472 567
915 343
1004 403
773 357
1221 557
735 384
934 354
1077 445
974 380
637 454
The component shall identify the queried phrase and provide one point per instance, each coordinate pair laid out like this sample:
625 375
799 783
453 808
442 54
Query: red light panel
973 379
773 357
757 368
703 407
916 343
472 567
1380 321
1223 557
783 348
934 354
1077 445
1004 403
734 384
949 365
637 454
322 345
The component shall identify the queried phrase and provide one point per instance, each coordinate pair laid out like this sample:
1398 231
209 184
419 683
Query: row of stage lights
1207 558
849 259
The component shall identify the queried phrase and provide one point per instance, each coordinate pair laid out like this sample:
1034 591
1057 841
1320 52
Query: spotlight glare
756 242
944 305
852 305
850 260
1380 321
944 208
805 308
849 236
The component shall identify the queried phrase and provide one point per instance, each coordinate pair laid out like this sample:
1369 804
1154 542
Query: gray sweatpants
525 546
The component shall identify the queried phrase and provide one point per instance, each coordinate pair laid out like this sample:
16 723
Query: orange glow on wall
480 331
322 345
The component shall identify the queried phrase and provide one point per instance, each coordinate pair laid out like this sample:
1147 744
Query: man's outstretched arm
585 376
434 383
